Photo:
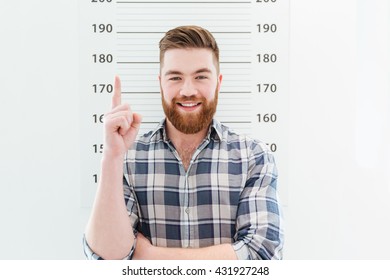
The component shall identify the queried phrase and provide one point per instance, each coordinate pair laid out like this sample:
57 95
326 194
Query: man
192 189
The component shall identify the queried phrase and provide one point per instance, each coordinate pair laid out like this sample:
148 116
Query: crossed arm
146 251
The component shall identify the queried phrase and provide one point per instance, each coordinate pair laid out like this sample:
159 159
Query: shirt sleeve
259 233
132 210
90 255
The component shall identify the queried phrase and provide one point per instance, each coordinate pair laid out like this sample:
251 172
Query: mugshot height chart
121 38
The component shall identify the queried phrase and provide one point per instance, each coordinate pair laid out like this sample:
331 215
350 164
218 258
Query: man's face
189 87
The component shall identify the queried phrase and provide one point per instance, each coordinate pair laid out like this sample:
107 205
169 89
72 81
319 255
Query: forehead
188 60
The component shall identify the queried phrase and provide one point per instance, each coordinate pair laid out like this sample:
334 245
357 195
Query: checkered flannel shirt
227 195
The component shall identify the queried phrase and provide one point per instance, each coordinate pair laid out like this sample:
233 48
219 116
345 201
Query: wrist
152 252
144 250
112 158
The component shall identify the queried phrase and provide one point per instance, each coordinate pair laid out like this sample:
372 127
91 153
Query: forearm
146 251
109 232
216 252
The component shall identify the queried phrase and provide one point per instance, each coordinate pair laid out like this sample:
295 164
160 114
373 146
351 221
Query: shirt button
187 210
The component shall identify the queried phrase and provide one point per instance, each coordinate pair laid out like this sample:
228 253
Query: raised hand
121 125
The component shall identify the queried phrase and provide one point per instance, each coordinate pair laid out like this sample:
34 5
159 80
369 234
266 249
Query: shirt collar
215 130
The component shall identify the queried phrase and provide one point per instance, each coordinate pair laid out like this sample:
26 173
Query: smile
188 104
189 107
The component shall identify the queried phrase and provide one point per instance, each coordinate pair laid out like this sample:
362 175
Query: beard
190 122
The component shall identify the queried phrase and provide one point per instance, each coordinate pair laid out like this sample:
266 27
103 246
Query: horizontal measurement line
152 32
233 62
157 92
182 2
129 32
152 62
236 122
142 92
164 27
143 44
182 19
243 92
140 12
134 62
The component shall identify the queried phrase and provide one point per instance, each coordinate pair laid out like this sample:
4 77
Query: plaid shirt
227 195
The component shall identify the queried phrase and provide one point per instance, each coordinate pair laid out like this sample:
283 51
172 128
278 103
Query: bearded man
191 188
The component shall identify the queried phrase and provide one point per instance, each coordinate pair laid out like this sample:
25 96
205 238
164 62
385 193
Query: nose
188 89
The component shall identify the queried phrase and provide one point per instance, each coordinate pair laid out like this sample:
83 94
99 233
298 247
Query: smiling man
191 188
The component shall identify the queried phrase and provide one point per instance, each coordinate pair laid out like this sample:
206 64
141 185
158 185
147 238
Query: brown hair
190 36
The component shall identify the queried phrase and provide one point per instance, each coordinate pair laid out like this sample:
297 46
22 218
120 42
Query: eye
201 77
175 79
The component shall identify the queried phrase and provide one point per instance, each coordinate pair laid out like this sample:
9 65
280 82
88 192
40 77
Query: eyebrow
175 72
202 70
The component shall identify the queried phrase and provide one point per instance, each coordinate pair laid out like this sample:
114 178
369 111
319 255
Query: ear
219 82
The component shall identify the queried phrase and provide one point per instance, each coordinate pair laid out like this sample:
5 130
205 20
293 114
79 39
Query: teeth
189 104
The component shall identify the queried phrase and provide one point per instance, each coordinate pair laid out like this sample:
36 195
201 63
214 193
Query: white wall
339 188
39 183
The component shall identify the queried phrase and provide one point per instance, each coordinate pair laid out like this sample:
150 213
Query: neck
182 140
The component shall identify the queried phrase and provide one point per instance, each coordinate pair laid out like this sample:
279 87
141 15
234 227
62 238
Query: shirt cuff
90 255
242 251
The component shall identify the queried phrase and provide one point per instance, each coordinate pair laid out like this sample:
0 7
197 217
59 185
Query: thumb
131 134
137 119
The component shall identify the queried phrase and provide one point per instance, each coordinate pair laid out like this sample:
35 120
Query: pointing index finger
116 98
